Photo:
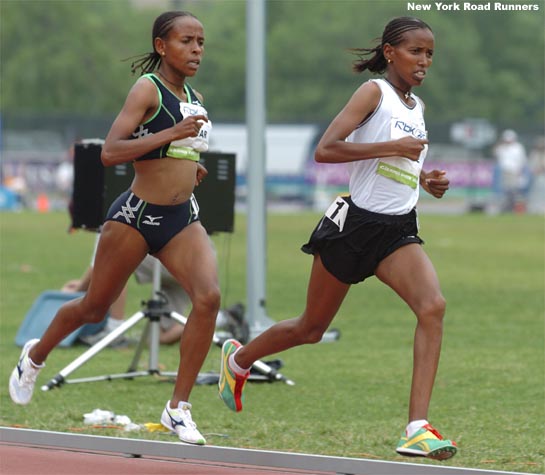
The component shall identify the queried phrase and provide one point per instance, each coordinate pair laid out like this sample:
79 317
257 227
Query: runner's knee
90 312
207 302
432 309
307 333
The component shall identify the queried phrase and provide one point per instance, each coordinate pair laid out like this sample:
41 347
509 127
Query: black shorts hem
353 253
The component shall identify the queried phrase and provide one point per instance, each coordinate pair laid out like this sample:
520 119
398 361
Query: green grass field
350 397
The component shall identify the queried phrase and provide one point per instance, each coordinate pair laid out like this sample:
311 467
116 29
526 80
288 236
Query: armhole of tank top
367 119
420 102
160 97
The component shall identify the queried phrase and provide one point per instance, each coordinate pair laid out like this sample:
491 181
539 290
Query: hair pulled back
393 35
148 62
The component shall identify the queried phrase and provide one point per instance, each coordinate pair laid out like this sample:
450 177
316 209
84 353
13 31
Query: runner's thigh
410 273
191 259
120 250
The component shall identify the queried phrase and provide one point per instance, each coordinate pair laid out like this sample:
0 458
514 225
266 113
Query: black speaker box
96 187
216 194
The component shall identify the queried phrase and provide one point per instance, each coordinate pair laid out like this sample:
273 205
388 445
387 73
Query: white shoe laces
30 373
185 415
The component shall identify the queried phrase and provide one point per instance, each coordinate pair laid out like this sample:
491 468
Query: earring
389 60
163 53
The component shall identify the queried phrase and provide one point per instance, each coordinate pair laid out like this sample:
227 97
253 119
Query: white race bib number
337 212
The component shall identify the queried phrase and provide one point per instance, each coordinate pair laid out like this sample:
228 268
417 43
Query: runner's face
412 57
184 45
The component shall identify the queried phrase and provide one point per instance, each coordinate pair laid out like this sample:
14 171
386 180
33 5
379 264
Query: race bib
398 173
201 141
337 212
187 109
189 147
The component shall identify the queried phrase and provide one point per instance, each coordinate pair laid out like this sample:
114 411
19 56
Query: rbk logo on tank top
401 127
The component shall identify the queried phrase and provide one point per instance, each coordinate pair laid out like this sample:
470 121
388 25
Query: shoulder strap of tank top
191 96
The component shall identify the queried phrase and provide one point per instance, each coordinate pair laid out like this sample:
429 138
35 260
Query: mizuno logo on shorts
152 220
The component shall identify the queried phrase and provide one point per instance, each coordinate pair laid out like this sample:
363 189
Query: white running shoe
179 421
23 377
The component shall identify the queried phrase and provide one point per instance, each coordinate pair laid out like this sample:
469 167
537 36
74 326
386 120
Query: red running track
27 460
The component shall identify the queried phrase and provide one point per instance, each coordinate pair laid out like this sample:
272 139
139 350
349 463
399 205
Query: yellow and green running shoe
231 384
427 442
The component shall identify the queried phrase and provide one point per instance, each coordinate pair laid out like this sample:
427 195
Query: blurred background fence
37 166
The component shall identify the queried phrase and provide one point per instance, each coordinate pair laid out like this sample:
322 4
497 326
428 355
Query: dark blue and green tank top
167 115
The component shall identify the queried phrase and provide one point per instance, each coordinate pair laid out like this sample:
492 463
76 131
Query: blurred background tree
63 57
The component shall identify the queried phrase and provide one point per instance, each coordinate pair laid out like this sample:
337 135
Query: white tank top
388 185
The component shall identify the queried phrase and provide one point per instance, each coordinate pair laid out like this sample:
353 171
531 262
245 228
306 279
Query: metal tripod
153 310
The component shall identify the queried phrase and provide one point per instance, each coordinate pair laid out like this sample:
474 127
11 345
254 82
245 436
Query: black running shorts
158 224
352 241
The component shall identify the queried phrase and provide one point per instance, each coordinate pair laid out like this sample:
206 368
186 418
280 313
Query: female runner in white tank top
381 134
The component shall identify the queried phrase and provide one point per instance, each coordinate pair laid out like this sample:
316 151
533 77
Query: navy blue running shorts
158 224
352 241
